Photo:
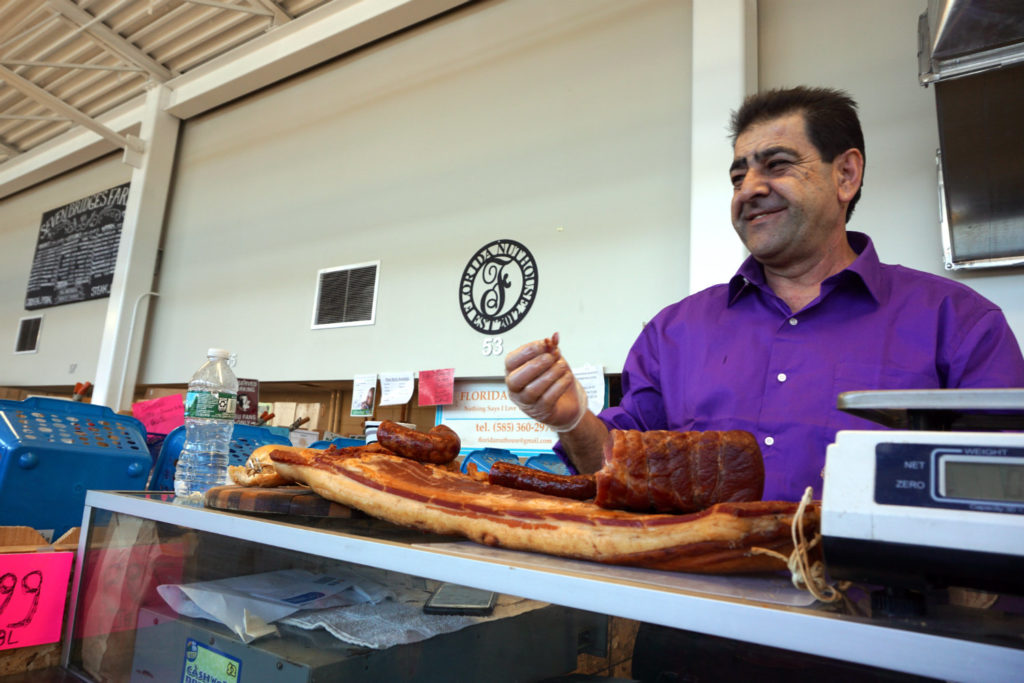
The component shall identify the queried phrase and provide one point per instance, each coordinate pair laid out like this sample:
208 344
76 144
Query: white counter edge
823 634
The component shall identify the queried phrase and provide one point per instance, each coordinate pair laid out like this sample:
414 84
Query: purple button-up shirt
734 357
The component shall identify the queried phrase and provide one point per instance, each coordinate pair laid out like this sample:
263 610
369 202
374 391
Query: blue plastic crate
485 457
339 442
549 462
244 440
52 451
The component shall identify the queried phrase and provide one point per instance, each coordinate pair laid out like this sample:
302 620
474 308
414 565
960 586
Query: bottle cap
218 353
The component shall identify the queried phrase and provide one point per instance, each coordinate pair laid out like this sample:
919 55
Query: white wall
869 48
69 336
507 119
562 125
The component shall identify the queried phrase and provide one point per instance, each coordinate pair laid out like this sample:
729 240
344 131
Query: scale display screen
998 480
985 479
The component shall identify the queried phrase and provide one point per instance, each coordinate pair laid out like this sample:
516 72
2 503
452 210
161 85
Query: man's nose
754 184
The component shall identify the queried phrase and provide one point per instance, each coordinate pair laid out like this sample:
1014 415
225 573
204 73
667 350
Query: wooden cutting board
281 500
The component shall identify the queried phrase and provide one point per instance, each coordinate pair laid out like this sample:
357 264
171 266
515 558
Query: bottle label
210 405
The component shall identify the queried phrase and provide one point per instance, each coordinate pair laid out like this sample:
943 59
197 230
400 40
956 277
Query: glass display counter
120 627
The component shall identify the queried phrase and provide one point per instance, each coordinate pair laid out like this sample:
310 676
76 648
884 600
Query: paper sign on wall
436 387
34 587
396 388
247 408
364 389
591 378
484 417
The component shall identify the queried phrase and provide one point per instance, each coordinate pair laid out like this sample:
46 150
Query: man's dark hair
830 120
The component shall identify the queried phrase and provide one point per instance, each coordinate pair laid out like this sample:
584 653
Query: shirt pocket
871 377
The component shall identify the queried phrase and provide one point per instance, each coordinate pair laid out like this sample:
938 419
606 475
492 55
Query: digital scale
936 501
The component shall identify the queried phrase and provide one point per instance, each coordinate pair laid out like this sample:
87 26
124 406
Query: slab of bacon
667 471
406 492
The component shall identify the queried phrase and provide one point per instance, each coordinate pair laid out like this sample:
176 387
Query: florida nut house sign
498 286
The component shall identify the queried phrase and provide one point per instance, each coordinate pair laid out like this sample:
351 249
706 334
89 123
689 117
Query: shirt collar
865 268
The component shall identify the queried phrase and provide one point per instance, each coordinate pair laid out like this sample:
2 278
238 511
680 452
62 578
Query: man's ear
848 171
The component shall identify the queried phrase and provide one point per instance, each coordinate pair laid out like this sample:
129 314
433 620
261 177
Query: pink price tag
437 387
33 590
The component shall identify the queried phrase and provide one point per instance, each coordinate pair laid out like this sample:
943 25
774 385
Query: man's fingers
523 354
557 388
531 350
518 379
537 387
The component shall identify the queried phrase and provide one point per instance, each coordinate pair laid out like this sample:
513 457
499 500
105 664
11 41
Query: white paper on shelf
248 605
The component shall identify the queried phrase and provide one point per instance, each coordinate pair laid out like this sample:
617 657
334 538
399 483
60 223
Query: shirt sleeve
987 356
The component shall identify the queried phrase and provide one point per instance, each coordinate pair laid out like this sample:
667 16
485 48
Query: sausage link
576 486
438 446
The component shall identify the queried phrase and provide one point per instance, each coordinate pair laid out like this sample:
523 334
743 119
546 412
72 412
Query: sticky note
160 415
437 387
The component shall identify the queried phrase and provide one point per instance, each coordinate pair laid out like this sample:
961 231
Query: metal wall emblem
498 287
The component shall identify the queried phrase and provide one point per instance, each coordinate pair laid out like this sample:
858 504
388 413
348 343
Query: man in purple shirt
810 314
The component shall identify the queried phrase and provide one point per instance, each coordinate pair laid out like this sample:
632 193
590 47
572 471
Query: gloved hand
542 385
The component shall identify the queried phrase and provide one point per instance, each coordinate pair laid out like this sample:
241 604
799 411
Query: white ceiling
74 73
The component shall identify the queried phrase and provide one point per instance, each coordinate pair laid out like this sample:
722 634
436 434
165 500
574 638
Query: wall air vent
346 295
28 335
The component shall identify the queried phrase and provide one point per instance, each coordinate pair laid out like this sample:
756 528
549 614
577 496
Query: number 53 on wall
492 346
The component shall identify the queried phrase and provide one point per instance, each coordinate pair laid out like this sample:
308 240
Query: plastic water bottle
209 421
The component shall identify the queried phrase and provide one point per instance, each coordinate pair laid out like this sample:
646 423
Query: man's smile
759 214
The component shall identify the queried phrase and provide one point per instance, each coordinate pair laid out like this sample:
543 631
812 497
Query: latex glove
541 383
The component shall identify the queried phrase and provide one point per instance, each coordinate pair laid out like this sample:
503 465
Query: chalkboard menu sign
77 250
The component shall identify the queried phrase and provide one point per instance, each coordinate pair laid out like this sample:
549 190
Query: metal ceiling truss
72 70
63 63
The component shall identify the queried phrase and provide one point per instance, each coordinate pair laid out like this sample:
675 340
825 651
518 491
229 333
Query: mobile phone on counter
451 598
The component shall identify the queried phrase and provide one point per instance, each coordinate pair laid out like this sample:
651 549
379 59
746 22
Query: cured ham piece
409 493
666 471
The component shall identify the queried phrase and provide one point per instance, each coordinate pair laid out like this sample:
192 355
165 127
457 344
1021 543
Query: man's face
785 204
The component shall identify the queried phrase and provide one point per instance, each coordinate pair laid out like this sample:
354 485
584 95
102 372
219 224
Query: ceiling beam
30 117
111 40
59 106
248 9
313 38
280 15
69 65
68 150
317 36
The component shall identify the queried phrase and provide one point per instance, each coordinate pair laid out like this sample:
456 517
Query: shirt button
769 440
792 321
781 377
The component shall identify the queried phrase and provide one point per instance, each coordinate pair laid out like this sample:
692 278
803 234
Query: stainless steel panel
959 37
974 25
982 164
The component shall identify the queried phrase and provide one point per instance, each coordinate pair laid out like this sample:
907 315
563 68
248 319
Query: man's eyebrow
737 165
761 155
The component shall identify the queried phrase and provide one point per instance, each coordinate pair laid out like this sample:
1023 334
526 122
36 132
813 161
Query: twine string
805 574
